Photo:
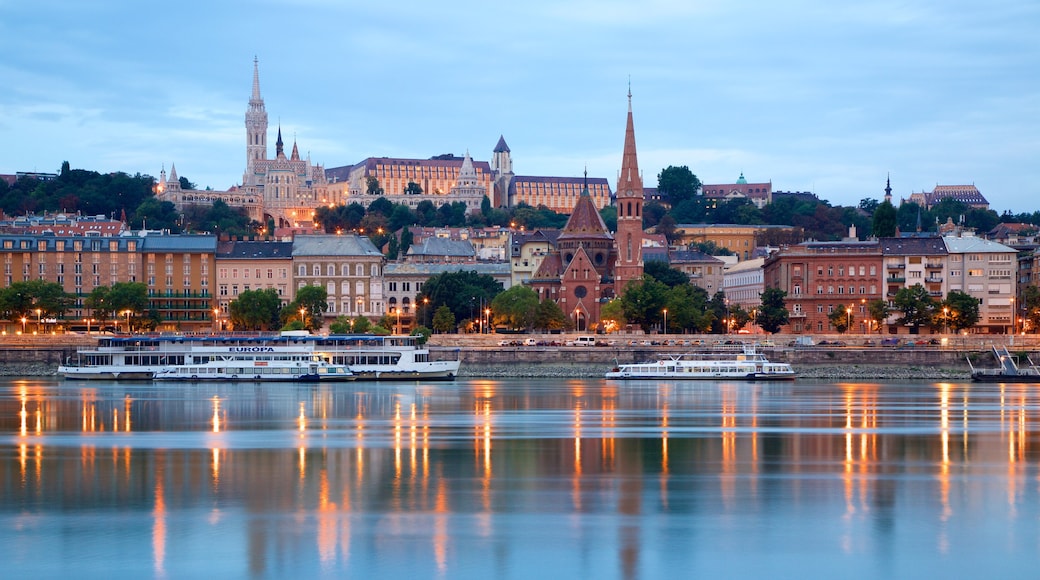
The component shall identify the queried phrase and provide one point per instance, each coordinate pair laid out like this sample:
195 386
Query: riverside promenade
860 358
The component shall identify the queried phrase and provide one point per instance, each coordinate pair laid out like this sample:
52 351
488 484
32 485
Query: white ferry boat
746 364
140 357
259 367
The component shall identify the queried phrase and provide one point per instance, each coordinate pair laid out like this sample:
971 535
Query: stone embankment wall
40 355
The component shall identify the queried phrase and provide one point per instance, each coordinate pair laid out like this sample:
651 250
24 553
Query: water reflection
485 477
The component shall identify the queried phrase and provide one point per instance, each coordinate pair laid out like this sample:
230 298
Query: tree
917 307
361 324
687 309
340 326
515 308
612 316
841 318
884 223
185 184
464 293
157 215
869 205
677 184
256 310
878 310
443 319
372 186
772 314
609 215
959 311
413 188
313 301
24 298
551 316
660 270
644 302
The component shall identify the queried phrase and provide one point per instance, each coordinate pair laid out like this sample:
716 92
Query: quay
861 357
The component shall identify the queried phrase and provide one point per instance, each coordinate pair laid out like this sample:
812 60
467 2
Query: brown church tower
629 238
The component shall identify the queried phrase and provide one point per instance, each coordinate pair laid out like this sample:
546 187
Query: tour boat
142 356
745 364
259 368
1008 372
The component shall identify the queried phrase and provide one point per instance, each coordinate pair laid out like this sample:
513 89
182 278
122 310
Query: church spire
888 189
279 146
256 80
629 238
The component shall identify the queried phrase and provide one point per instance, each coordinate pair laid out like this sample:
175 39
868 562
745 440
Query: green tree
24 298
687 309
878 310
256 310
660 270
609 215
884 222
551 316
515 308
443 319
841 318
464 293
917 306
156 215
677 184
644 302
309 307
413 188
372 186
361 325
340 326
185 184
422 332
772 314
612 316
958 311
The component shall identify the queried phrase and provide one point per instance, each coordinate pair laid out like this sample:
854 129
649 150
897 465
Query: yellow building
739 239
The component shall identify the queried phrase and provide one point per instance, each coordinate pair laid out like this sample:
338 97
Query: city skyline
829 99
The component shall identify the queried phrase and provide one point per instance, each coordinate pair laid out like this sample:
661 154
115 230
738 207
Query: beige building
705 271
739 239
441 181
527 250
743 283
985 270
253 265
348 266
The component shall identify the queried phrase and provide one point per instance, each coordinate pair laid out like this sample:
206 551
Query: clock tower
629 237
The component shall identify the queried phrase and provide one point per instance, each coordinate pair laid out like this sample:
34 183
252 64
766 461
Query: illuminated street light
487 315
39 320
23 325
946 318
665 327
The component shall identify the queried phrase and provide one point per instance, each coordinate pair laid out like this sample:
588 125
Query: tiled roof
253 249
334 245
501 146
922 246
691 256
443 247
177 243
585 221
969 244
408 268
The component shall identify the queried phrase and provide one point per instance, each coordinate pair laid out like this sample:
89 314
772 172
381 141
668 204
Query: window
302 270
873 270
316 269
797 289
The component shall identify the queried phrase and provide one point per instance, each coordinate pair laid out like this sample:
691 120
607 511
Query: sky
821 96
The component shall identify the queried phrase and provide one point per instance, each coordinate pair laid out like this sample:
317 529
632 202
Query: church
285 189
588 266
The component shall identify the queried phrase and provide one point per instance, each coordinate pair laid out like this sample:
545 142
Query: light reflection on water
514 478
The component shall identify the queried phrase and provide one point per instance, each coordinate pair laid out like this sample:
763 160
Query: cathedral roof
501 147
585 221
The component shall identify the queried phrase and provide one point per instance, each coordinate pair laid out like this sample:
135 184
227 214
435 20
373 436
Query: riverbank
856 373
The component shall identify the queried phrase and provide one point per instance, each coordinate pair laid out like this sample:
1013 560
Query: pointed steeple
629 237
279 146
256 80
501 146
888 189
630 179
467 173
173 182
295 152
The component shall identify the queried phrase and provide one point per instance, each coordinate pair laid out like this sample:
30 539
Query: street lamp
303 319
426 310
23 325
576 327
39 319
848 323
216 319
946 318
487 314
398 327
665 327
127 313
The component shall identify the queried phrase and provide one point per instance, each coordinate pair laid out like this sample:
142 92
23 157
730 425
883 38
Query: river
513 478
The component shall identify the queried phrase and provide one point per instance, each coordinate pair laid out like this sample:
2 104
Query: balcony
934 265
896 266
934 279
797 315
898 279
